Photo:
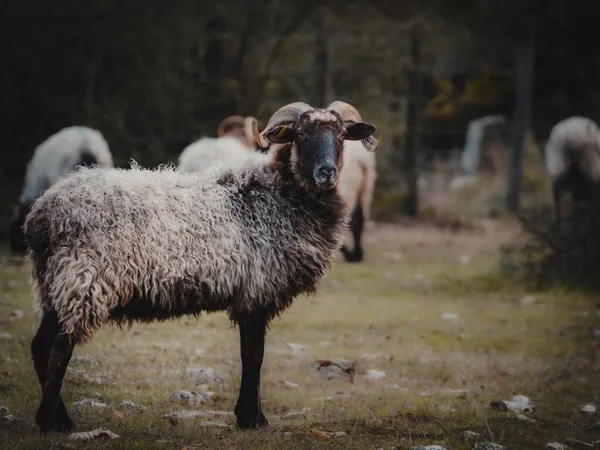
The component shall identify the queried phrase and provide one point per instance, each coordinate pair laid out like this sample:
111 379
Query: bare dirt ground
433 331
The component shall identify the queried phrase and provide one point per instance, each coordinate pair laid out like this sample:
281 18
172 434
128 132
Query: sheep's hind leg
60 355
357 221
41 345
252 345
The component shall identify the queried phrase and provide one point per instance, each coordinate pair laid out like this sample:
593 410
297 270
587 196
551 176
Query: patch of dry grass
385 315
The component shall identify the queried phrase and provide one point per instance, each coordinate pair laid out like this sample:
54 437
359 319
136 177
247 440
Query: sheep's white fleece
576 139
208 151
58 155
357 178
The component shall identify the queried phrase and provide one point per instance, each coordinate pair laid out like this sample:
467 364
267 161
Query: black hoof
246 421
352 257
62 424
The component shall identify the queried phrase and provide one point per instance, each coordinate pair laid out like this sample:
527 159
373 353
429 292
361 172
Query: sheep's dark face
319 137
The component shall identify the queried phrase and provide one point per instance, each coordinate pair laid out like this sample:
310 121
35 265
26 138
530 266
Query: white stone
487 446
99 433
449 316
556 446
428 447
589 409
291 385
374 375
130 408
293 415
470 435
88 403
520 404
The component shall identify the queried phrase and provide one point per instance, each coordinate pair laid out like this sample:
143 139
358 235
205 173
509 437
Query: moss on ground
387 315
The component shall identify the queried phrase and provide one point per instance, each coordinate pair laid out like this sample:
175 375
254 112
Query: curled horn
350 115
228 121
286 114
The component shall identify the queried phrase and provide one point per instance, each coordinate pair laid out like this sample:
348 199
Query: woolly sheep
573 159
111 245
53 159
234 141
357 182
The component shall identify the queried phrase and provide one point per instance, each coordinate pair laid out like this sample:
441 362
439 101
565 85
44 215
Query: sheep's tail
365 189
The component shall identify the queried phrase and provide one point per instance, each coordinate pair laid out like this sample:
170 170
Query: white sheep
110 245
234 142
573 159
357 182
53 159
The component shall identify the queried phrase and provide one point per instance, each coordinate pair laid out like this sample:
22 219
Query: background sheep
234 140
357 182
573 159
139 245
53 159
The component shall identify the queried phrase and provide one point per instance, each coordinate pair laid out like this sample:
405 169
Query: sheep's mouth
326 185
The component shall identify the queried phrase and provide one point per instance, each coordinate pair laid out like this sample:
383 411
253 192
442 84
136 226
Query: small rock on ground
205 375
590 408
556 446
428 447
374 375
130 408
5 336
334 368
295 414
8 419
99 433
518 404
16 315
487 446
192 398
468 435
290 385
88 403
449 316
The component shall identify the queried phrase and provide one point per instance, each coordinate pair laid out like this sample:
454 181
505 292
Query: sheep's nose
327 172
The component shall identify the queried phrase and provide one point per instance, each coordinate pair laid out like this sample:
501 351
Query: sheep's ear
280 134
359 131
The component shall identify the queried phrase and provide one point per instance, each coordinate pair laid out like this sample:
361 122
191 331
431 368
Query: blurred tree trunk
323 63
411 202
521 119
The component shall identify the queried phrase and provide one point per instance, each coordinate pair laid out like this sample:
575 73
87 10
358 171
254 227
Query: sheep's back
58 155
574 142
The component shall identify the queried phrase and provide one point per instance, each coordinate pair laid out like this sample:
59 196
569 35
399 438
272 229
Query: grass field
428 308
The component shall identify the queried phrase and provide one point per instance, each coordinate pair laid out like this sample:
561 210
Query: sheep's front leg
252 344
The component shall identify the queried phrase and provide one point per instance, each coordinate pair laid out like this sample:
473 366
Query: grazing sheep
573 159
234 140
357 181
110 245
53 159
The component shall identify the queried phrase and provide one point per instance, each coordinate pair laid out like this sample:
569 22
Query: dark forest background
154 75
